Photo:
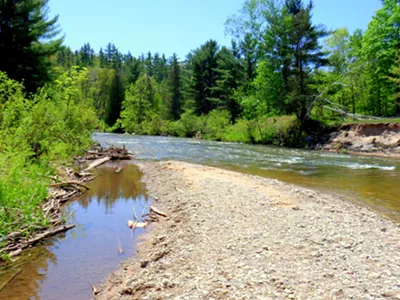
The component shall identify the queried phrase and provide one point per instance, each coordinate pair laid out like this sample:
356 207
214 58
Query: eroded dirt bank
235 236
367 139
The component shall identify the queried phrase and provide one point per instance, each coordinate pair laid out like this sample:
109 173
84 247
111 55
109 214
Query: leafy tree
380 45
27 41
101 83
395 78
140 102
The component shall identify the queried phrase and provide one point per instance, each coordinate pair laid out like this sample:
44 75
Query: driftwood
69 183
61 193
97 163
158 212
94 290
136 224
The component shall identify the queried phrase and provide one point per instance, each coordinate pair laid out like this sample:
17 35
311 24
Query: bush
239 132
282 131
216 124
190 125
38 133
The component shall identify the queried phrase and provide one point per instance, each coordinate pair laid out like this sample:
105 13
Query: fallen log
49 233
158 212
97 163
69 183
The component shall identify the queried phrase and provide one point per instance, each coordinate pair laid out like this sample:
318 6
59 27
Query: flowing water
65 266
368 180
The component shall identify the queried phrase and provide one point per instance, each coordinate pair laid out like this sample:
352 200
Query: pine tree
86 56
203 80
27 41
102 59
175 85
305 53
231 76
114 105
248 49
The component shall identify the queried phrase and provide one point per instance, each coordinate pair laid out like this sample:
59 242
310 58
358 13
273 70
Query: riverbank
380 140
68 184
231 235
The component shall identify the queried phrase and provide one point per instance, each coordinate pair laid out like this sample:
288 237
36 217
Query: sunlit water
367 180
65 267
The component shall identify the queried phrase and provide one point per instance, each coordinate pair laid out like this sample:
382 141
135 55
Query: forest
282 81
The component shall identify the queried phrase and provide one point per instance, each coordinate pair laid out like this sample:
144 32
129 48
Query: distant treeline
279 64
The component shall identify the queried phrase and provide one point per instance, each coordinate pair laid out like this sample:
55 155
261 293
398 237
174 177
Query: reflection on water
373 181
63 267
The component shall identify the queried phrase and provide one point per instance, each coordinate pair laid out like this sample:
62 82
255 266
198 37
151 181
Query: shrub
216 124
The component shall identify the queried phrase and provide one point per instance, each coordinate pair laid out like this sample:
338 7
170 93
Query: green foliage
141 102
190 125
25 41
36 135
203 77
240 132
216 124
175 89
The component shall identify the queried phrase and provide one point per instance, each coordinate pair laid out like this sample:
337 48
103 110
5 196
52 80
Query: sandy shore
236 236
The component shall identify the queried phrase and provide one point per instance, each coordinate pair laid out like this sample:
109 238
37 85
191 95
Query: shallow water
64 267
368 180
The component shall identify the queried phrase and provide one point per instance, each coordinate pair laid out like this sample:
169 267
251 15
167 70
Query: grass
373 121
22 190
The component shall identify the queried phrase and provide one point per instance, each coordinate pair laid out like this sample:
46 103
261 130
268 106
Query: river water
65 267
371 181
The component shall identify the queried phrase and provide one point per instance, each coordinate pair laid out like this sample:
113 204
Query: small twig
10 279
135 215
144 209
95 291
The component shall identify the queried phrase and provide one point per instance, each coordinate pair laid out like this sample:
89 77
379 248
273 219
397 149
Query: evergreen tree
248 49
148 63
231 76
86 56
102 59
306 55
133 69
203 80
26 43
114 105
175 85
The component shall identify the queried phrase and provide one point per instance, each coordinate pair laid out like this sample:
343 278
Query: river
65 267
371 181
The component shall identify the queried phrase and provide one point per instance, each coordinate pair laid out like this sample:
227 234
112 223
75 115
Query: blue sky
169 26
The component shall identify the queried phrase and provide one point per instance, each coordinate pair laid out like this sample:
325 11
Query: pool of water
65 267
